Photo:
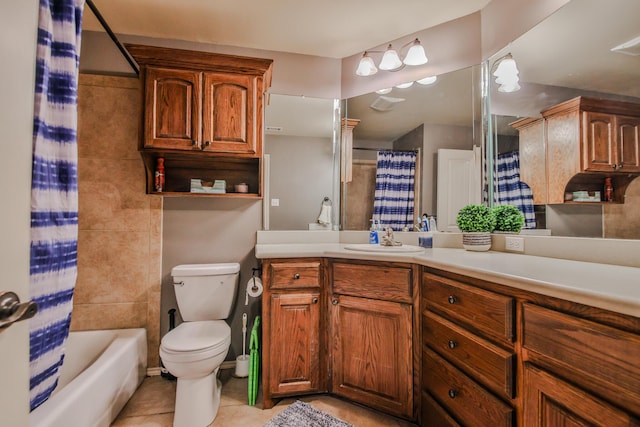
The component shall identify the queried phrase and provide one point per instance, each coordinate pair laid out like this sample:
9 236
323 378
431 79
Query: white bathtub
101 371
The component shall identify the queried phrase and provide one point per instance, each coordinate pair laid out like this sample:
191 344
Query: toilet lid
194 336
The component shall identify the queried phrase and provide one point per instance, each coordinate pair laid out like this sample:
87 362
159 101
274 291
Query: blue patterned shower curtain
510 190
54 191
394 196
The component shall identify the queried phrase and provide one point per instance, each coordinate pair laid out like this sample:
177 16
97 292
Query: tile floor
152 406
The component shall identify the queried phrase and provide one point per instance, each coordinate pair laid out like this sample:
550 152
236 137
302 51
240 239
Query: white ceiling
328 28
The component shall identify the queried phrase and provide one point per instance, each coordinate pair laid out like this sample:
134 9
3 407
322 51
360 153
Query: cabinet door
372 353
628 140
551 402
294 344
599 147
172 109
231 113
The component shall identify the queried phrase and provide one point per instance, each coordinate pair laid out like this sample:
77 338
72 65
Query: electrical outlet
275 202
514 244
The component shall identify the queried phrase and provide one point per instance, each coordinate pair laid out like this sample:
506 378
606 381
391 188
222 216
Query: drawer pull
334 302
452 393
452 344
296 276
314 301
452 299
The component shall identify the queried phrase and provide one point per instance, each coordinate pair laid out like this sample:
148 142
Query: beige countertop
611 287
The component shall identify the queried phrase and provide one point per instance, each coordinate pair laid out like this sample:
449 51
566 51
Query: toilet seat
196 340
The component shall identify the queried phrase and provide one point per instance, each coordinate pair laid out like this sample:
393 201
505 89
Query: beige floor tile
159 420
153 403
156 395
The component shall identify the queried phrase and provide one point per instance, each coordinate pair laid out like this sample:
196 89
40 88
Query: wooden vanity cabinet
468 354
561 364
201 110
293 319
578 369
372 322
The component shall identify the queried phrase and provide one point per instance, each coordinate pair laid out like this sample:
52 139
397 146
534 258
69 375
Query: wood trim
199 60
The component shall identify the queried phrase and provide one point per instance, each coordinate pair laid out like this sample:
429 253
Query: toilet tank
205 291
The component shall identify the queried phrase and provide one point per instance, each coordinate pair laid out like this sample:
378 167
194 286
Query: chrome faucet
388 239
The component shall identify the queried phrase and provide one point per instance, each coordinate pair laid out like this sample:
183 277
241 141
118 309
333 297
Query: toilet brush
242 362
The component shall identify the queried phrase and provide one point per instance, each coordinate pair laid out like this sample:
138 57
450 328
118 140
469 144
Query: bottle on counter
159 177
373 233
608 190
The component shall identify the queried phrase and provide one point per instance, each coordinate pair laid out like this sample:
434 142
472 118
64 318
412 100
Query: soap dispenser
373 233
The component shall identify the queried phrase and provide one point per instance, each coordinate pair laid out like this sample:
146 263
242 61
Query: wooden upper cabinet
599 146
172 102
202 113
533 157
230 114
628 141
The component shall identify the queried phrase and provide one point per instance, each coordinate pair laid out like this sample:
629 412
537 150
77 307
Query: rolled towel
325 215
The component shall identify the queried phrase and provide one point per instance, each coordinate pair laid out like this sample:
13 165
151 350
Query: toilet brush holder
242 366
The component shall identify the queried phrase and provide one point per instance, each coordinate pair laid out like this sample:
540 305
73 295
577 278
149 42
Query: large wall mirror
441 114
570 55
301 138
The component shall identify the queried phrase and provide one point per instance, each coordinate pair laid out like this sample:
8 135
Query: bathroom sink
366 247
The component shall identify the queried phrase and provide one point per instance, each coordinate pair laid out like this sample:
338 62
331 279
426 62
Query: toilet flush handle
181 283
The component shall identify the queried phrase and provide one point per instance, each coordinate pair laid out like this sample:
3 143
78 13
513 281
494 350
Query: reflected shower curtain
395 175
510 190
54 191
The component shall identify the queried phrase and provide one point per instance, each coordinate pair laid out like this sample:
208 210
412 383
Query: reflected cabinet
576 145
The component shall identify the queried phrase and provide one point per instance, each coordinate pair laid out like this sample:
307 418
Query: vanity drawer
295 274
373 281
434 415
460 395
487 363
477 309
597 357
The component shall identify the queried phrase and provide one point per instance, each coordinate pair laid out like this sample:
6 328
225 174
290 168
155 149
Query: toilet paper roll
254 287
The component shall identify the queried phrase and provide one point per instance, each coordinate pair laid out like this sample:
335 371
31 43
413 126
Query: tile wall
120 227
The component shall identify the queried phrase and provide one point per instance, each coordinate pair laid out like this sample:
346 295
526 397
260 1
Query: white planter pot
479 242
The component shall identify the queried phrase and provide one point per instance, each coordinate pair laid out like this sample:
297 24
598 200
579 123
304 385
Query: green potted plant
476 222
509 219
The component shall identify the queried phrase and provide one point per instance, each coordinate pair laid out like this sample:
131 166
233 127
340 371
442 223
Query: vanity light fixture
404 85
391 60
506 74
427 80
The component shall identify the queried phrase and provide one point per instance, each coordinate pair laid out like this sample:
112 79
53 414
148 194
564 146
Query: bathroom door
458 184
18 23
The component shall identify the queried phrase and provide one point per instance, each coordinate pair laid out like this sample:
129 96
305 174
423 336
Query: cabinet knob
296 276
620 166
194 144
314 301
451 299
334 301
614 166
453 393
452 344
207 143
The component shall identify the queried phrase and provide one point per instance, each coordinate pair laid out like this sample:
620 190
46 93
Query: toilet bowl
195 349
193 352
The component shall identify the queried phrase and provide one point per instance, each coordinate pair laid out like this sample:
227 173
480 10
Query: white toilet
196 348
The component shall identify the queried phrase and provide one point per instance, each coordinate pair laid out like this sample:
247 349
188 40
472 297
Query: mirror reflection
299 145
575 152
421 119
